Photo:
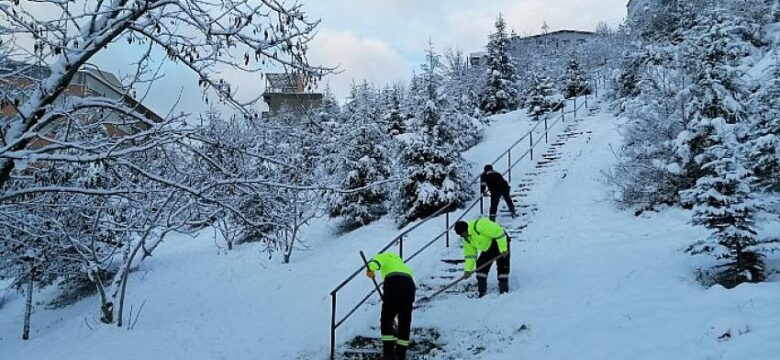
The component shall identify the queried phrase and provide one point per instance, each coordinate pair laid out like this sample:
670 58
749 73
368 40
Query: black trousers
398 293
495 197
502 264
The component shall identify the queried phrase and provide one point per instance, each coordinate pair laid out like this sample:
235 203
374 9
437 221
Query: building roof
284 83
106 78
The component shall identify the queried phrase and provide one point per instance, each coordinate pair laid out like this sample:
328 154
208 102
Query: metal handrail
335 323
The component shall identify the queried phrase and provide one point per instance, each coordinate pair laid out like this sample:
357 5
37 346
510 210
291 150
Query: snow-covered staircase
425 341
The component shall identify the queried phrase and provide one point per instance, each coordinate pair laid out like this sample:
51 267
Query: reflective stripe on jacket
389 264
481 234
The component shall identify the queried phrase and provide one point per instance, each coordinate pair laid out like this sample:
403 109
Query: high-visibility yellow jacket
481 234
390 264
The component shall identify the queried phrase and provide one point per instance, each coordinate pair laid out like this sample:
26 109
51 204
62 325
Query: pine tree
723 202
329 110
763 147
710 53
434 172
539 95
392 114
364 161
500 94
575 81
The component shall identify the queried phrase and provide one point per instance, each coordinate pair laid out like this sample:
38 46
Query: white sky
383 41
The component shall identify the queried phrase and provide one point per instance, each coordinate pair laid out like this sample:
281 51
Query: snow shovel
458 280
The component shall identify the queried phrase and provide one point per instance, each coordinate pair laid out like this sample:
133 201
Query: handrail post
481 204
447 229
563 111
333 326
545 130
575 108
401 246
509 164
531 144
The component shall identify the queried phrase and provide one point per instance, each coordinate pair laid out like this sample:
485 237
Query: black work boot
388 350
503 286
481 286
400 352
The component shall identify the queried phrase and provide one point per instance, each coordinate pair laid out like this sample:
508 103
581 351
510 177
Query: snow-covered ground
588 282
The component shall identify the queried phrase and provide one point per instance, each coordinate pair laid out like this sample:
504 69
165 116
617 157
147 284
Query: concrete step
424 343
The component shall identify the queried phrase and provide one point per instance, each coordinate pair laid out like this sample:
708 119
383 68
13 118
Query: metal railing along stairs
559 117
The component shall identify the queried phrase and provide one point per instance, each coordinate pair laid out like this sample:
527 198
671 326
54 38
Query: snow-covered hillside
588 282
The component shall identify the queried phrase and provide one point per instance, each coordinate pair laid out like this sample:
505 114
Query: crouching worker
483 242
398 298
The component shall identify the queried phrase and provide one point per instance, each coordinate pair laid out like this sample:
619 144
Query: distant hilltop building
289 92
554 39
544 44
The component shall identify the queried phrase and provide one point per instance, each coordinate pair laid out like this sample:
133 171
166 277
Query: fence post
401 246
333 326
447 229
545 130
531 141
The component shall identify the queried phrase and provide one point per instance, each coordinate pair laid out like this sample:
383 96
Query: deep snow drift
588 282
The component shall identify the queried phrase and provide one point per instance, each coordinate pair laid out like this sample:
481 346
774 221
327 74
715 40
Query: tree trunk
28 307
122 293
288 248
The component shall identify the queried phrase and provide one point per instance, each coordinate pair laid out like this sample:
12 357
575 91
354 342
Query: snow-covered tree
723 202
500 94
462 83
677 84
364 160
540 92
762 151
575 81
434 173
710 53
123 179
392 115
329 111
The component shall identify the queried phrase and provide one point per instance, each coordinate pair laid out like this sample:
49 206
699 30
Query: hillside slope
588 282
